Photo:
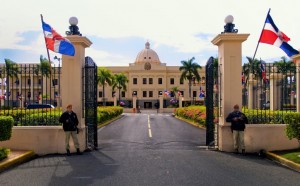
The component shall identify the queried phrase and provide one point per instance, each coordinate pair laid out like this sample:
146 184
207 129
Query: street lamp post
59 71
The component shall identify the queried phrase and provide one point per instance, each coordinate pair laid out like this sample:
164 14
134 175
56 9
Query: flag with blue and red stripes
273 36
56 42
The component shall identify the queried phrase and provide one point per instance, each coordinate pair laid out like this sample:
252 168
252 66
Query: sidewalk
16 157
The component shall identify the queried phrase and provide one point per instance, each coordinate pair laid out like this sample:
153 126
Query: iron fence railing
269 91
30 94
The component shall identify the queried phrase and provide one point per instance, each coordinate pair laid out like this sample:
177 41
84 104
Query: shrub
4 153
106 113
48 119
194 113
6 124
293 125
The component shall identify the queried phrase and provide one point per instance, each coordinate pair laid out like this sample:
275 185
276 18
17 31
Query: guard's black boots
78 152
68 152
243 152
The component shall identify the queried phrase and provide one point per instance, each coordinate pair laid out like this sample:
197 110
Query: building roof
147 55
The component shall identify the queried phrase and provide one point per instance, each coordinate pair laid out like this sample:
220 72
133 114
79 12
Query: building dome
147 55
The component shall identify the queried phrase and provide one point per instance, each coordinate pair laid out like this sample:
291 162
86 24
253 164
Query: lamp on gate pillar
229 27
74 30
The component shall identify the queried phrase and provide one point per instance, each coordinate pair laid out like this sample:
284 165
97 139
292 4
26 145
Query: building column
251 82
180 101
161 103
32 87
72 81
115 101
297 59
230 61
274 77
134 102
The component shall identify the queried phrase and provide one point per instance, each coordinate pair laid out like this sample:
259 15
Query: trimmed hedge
6 124
42 119
194 113
4 153
107 113
293 125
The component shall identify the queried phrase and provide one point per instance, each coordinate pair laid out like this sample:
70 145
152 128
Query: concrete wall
42 139
269 137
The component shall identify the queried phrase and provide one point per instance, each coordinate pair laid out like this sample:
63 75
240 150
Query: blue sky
176 30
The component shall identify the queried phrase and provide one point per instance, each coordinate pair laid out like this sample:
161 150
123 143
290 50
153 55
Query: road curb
17 160
283 161
110 121
190 122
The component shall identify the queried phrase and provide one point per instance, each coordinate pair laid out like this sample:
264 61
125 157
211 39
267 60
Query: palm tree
174 91
253 66
44 67
284 66
104 76
287 69
119 81
12 70
190 72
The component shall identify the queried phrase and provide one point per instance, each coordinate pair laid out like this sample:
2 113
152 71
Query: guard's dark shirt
240 123
69 121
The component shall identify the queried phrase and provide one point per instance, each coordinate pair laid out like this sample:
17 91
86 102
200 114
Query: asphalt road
167 154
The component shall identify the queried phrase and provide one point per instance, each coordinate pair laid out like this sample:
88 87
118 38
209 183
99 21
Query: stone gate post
296 58
72 81
230 65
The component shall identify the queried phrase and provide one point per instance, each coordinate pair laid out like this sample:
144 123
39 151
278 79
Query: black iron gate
90 102
211 73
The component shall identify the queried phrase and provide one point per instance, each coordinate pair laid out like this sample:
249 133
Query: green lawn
293 155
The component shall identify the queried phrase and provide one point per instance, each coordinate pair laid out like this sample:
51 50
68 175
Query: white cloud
168 22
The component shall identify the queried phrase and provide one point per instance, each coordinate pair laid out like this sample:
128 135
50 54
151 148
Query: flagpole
46 42
260 35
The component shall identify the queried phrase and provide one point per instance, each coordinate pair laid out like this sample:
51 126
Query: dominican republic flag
179 93
273 36
167 93
56 42
243 78
263 71
202 94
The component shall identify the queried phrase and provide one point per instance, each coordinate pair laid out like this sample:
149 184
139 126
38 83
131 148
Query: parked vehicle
266 105
39 106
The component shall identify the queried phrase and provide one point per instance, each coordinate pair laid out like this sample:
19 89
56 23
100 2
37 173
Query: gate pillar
72 82
297 59
230 65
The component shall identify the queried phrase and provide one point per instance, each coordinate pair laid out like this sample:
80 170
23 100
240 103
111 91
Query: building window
194 94
159 81
55 82
144 94
181 81
55 94
100 94
144 81
151 94
160 93
17 82
134 81
40 81
123 94
145 57
134 93
29 81
149 57
113 94
172 81
150 81
29 94
182 93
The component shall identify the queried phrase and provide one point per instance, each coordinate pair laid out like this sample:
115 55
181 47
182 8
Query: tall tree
44 67
189 71
284 66
119 81
12 70
253 66
104 77
175 91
